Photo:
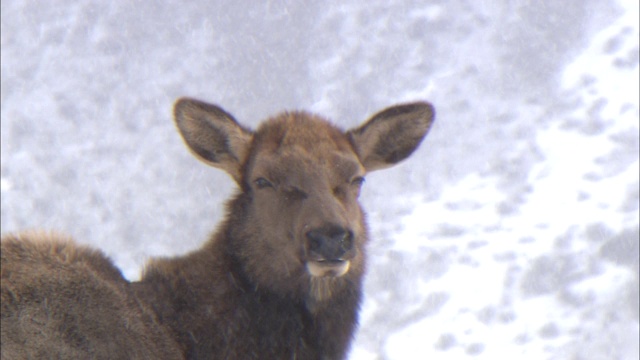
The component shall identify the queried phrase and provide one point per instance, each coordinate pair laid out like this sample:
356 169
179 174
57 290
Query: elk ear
391 135
213 135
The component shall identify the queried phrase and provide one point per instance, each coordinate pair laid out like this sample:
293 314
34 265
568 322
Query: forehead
305 143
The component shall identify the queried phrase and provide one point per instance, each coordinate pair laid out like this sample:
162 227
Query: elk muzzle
329 251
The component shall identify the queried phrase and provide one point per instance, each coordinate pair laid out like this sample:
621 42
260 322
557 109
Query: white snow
512 233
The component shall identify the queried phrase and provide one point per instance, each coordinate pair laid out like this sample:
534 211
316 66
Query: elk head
300 227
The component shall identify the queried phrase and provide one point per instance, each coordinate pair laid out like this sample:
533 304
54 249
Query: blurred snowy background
513 231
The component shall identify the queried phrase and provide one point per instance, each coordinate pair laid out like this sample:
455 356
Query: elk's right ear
392 134
213 135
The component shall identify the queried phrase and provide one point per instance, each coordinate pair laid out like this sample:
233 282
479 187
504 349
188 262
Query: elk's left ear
213 135
391 135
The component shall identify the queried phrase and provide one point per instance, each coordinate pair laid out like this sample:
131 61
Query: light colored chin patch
328 269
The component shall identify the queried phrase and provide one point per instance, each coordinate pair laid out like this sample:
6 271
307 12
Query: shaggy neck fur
300 317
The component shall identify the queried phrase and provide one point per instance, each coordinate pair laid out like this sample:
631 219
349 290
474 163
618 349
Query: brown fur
280 279
64 301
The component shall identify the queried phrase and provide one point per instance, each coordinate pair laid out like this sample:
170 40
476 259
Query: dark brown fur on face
280 279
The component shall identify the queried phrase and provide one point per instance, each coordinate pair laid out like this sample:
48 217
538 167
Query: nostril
329 243
315 240
346 242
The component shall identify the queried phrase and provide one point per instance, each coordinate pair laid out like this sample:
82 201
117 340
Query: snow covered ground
512 233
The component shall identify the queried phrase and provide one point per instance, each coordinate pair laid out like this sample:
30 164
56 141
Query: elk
281 278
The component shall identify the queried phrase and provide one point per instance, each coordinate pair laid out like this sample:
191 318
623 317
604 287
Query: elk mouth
328 268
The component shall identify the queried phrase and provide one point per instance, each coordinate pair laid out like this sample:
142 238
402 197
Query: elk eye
357 181
262 183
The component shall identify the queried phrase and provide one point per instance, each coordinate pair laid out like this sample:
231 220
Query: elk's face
301 224
305 179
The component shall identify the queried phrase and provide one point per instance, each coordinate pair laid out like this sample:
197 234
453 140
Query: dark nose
329 243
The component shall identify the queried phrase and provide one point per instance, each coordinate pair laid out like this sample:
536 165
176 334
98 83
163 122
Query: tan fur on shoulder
44 275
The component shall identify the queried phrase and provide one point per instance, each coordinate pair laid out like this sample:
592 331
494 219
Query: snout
329 251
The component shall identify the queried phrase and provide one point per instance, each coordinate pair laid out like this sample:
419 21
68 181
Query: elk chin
328 268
